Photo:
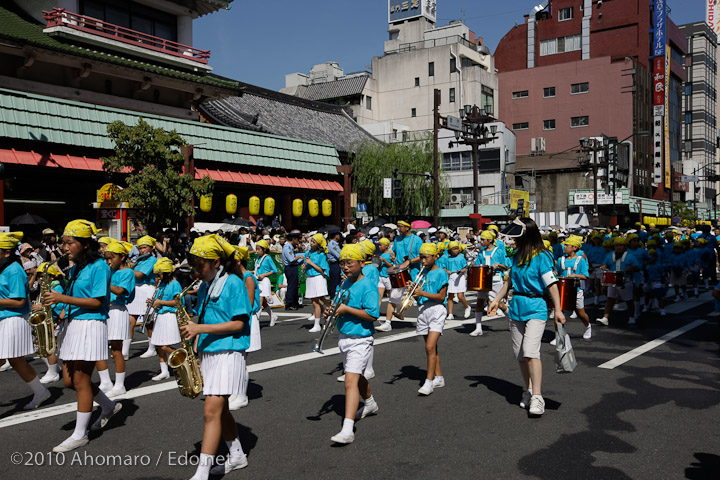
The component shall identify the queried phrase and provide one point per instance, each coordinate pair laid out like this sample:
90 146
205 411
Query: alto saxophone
183 361
41 321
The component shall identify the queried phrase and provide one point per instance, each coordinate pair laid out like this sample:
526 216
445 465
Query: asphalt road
653 416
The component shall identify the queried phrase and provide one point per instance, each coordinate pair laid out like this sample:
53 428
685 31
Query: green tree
152 160
686 214
374 161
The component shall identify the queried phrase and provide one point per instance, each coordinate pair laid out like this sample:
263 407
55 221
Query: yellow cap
620 241
547 243
53 270
493 227
80 228
384 241
320 239
121 248
212 247
146 240
453 244
352 251
10 240
242 253
428 249
368 247
487 235
574 240
263 244
106 240
403 222
163 265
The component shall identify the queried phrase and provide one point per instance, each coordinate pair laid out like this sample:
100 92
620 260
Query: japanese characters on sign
400 10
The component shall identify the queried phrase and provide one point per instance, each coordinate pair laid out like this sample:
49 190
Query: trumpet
150 313
339 299
408 300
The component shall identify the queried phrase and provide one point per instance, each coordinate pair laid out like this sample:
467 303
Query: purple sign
659 18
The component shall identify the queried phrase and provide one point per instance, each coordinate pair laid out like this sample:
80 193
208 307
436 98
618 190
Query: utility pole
436 183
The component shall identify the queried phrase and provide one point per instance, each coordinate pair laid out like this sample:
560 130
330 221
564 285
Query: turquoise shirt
265 265
14 284
612 260
91 281
168 292
408 247
319 258
456 263
58 307
256 298
576 266
363 295
124 279
533 278
435 280
145 266
492 255
371 271
383 268
232 302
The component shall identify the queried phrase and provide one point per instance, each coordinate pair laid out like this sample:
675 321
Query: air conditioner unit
532 145
456 198
486 201
540 145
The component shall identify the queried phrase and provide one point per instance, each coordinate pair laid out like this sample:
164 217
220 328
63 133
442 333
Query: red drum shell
399 277
608 279
480 278
568 293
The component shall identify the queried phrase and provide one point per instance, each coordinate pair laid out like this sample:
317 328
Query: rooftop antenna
462 12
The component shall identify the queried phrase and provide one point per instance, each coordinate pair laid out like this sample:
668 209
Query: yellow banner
516 195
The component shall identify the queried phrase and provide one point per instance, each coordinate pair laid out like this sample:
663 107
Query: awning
32 158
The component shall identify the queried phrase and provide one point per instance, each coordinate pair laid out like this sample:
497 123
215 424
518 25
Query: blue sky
258 42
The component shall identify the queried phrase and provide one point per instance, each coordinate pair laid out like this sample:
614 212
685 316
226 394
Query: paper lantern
326 207
231 204
269 207
297 207
313 208
205 203
254 205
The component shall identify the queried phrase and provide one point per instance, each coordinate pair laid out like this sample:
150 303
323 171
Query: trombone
408 300
339 299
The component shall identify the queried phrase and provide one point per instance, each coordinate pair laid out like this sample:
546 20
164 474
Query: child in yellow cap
571 265
53 275
385 258
317 272
456 266
264 269
165 328
144 289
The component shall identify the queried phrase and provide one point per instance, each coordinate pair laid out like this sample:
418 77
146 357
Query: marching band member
292 257
122 291
103 243
636 249
456 266
531 274
54 275
495 256
15 332
369 270
355 318
144 288
619 261
678 263
333 256
432 311
571 265
316 270
165 332
223 332
264 268
655 281
385 262
407 254
596 256
85 337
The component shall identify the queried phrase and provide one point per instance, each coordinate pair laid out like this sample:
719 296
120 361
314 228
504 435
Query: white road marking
636 352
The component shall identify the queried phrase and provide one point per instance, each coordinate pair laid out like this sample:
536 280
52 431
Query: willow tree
374 161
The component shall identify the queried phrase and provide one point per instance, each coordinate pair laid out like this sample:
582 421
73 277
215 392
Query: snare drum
613 279
399 277
568 293
480 278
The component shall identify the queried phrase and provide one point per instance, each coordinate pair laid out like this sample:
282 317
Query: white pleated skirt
16 339
255 341
118 323
139 304
457 283
265 287
223 372
84 340
315 287
166 331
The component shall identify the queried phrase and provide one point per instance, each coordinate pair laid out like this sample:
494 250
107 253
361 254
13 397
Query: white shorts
625 294
315 287
356 353
118 323
84 340
255 342
431 318
526 338
457 283
139 304
16 338
265 287
166 331
384 282
223 372
396 295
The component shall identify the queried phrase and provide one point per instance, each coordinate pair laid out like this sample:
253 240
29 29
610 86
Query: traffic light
396 188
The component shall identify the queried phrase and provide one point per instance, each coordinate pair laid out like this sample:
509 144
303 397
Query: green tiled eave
36 117
13 27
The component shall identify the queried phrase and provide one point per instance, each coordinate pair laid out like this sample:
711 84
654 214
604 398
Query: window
688 117
548 92
130 15
565 14
560 45
452 95
487 98
576 88
368 102
394 134
413 112
549 124
453 65
520 94
431 69
521 126
417 81
457 161
688 89
583 121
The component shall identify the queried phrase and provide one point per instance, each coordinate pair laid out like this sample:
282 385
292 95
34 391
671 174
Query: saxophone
41 321
183 361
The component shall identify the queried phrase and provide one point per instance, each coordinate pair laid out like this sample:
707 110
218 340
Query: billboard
712 15
401 10
668 164
659 20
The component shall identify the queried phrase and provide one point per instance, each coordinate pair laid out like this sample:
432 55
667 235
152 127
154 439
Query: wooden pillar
189 169
346 171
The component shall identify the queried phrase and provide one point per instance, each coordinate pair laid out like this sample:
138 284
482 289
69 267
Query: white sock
104 377
637 309
126 347
347 428
53 369
439 377
164 368
119 379
317 323
81 425
37 387
203 469
235 449
370 402
151 347
47 362
311 318
105 403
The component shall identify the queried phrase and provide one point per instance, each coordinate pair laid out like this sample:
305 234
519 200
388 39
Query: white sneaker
71 444
477 332
369 375
365 411
161 376
632 321
229 466
49 378
385 327
341 378
105 388
537 405
344 438
116 391
468 311
573 315
438 382
315 329
663 312
310 318
426 389
525 400
450 317
273 321
236 403
149 354
5 366
103 420
603 321
37 400
588 332
499 313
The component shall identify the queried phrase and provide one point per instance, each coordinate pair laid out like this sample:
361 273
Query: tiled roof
273 112
344 87
48 119
26 32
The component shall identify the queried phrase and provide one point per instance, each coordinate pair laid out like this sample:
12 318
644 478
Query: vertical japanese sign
659 93
668 164
712 15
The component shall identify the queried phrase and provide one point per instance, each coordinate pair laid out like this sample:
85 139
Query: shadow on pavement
336 404
706 468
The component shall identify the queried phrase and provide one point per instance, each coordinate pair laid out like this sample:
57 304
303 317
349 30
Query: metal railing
59 17
434 42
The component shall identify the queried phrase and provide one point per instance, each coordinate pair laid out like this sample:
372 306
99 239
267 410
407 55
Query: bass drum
399 277
480 278
568 294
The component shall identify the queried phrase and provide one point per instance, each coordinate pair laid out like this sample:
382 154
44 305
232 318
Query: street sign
454 123
688 178
676 219
387 187
361 207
